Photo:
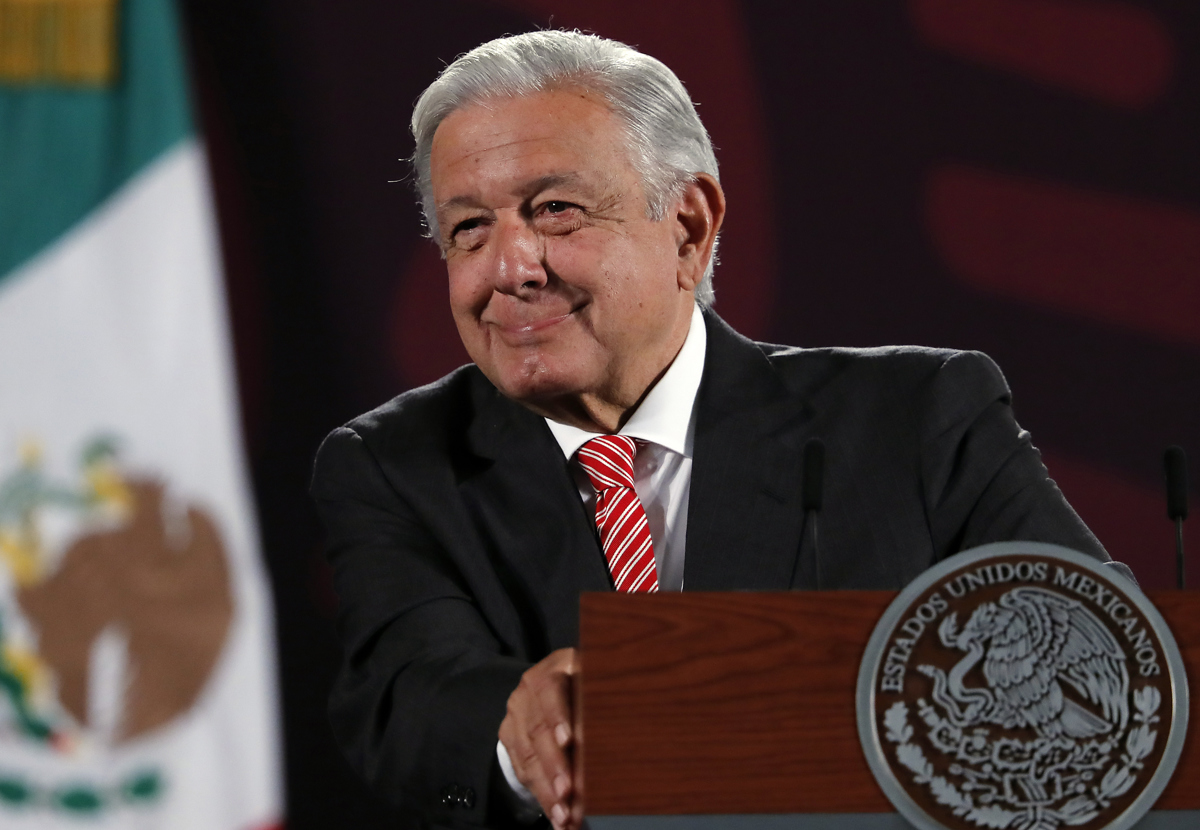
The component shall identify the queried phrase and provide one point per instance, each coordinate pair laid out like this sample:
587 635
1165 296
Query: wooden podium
743 703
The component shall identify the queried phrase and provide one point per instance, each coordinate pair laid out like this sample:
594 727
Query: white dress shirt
662 477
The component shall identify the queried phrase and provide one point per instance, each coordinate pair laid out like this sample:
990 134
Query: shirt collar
666 415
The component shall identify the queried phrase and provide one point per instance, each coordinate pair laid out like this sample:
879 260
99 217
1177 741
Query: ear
699 213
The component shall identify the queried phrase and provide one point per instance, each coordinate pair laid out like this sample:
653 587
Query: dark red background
1016 176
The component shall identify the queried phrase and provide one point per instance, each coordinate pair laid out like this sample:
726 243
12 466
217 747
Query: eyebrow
553 180
531 188
458 201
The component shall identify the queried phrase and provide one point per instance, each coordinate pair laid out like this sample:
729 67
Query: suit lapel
531 515
745 520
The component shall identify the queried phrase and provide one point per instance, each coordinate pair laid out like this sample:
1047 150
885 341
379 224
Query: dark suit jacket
460 545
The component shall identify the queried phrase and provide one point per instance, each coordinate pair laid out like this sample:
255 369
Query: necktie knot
608 461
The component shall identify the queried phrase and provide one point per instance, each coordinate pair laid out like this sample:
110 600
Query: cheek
579 258
468 293
642 277
606 266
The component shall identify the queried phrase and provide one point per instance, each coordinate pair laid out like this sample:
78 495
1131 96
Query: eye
558 217
468 233
466 225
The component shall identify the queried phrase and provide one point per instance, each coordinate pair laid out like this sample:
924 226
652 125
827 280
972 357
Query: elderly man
613 433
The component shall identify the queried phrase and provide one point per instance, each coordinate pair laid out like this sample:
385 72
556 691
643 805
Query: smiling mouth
529 331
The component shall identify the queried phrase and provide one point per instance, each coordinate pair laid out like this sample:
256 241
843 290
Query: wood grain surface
1181 610
709 703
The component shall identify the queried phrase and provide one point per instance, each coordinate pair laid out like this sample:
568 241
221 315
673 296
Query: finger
552 710
538 761
533 751
543 698
532 771
575 814
559 816
553 763
555 692
537 732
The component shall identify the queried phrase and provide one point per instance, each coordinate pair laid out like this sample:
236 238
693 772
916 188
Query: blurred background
1020 177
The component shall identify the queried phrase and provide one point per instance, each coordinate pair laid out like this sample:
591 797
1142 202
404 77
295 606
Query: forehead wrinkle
480 140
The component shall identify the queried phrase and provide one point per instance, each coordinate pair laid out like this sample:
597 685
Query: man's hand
539 736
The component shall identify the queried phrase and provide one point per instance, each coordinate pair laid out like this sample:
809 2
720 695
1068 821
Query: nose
519 256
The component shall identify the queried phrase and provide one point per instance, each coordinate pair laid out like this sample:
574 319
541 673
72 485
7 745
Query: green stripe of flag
64 150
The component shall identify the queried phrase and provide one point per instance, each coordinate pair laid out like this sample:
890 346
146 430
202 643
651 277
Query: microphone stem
1179 551
816 550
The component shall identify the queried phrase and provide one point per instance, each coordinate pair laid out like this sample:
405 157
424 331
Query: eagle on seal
1033 641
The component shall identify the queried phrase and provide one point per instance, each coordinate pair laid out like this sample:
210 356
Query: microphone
812 493
1175 466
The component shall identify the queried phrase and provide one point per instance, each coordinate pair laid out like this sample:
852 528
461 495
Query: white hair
669 145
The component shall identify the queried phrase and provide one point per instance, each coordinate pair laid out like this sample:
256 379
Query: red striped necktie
620 517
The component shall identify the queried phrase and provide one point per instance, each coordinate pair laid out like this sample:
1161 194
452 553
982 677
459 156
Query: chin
535 380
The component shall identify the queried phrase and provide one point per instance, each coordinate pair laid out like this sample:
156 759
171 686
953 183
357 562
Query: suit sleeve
424 683
984 480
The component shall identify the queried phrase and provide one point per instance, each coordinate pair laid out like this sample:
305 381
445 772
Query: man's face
565 294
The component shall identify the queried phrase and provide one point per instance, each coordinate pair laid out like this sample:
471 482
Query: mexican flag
137 684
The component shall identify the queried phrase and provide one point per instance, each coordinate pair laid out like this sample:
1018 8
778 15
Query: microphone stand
1175 467
1179 552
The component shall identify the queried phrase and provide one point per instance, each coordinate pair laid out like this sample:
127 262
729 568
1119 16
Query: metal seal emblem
1022 686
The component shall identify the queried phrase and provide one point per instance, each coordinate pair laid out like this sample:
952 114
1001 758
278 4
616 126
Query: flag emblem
116 603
